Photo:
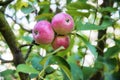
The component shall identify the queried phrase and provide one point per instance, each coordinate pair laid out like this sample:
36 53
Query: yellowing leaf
20 3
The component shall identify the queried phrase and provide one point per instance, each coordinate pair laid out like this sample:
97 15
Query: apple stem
57 50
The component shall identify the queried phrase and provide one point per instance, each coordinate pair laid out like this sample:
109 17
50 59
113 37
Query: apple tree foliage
28 57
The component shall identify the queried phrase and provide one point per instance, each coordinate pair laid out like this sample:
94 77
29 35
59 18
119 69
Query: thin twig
24 45
30 31
5 2
29 50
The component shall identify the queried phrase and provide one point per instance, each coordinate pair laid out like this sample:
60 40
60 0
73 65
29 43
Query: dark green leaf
110 65
108 76
7 72
116 75
107 9
35 63
49 70
88 72
33 75
112 51
68 1
75 68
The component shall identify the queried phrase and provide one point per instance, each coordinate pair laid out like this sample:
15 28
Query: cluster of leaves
70 66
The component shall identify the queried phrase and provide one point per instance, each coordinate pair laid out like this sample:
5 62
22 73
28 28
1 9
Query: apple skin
62 23
43 32
61 41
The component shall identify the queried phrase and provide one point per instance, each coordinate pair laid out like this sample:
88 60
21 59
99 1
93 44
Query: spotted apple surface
43 32
62 23
61 41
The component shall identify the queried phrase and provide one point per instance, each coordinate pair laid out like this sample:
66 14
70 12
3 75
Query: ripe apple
43 32
61 41
62 23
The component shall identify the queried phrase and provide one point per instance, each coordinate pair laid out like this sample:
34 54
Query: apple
62 23
43 32
61 41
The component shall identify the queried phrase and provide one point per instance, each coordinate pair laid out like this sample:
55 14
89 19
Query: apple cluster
56 32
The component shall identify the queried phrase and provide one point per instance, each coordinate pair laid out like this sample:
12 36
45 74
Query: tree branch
5 2
12 43
101 41
29 50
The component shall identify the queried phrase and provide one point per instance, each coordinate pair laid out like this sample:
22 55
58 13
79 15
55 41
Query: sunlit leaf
27 10
89 26
78 13
79 5
43 3
20 3
44 15
26 69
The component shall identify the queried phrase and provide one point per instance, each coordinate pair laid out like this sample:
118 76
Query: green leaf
110 65
112 51
68 1
75 68
62 64
59 61
44 3
33 75
91 47
107 9
26 69
27 38
89 26
20 3
44 15
49 70
79 5
74 12
88 72
35 63
27 10
108 76
7 72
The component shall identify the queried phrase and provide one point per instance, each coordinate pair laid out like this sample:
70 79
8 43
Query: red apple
60 41
43 32
62 23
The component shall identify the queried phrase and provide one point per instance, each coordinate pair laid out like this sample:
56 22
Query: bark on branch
12 43
5 2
